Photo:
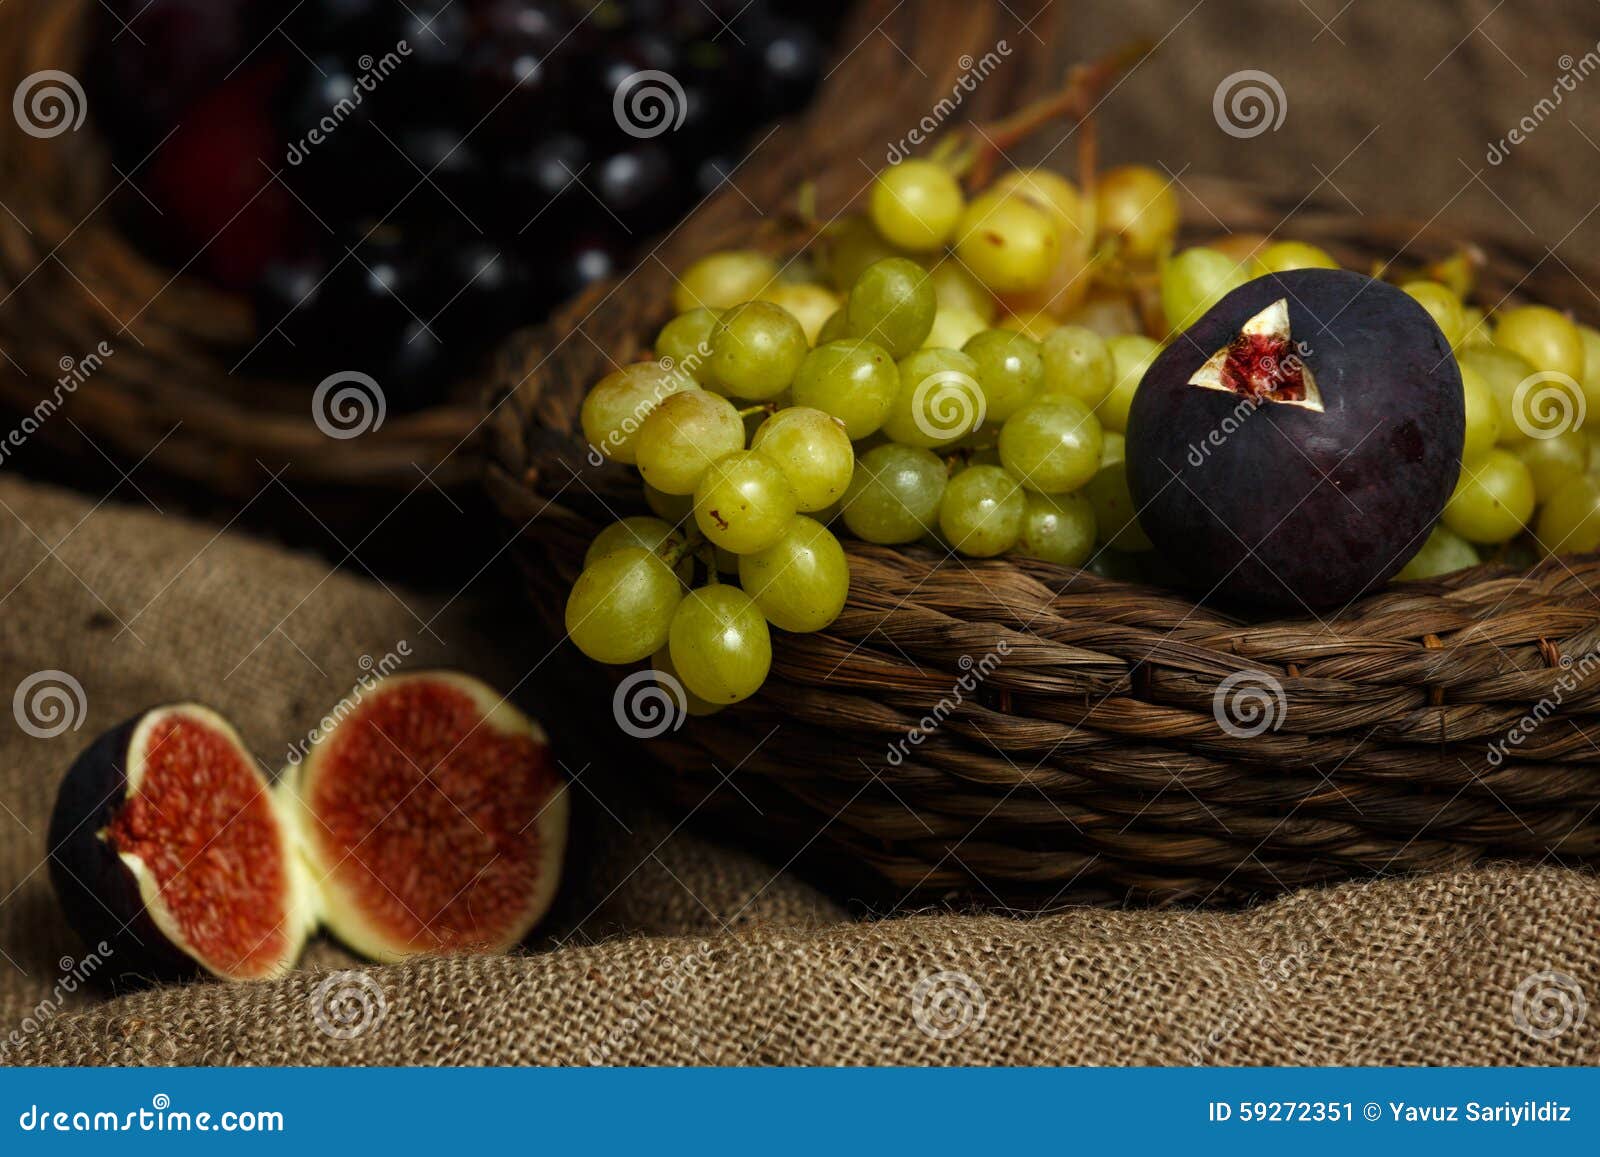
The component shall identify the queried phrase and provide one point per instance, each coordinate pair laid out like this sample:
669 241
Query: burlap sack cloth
667 949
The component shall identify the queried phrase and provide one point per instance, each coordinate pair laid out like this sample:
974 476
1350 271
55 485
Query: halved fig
166 845
433 819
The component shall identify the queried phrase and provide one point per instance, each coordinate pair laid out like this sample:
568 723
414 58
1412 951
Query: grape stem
762 408
987 145
690 543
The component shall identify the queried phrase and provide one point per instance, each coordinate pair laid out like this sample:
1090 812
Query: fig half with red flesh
433 819
167 845
428 818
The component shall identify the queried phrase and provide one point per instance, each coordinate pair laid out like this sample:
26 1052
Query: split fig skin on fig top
428 819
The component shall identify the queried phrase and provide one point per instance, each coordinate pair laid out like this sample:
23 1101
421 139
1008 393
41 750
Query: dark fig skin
97 892
1287 508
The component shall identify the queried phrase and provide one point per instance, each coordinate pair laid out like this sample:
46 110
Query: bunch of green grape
957 372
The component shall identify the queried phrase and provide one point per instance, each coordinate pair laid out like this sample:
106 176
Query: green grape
850 245
722 280
1052 446
916 204
812 450
720 645
953 328
1077 364
1282 256
938 402
692 703
1131 356
810 305
653 534
1008 243
1504 371
1058 528
1492 502
1114 512
685 341
1591 370
1546 339
756 349
981 512
1009 370
955 288
1113 448
621 606
894 495
682 438
1442 305
1035 325
1137 205
1475 327
892 303
853 380
1553 462
1057 196
744 502
1444 552
801 581
836 328
1570 521
1483 417
673 508
1195 280
617 406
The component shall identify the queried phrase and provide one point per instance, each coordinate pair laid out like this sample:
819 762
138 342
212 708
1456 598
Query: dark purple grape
634 184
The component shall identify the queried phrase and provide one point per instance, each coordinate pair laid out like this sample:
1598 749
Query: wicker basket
1089 764
69 281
